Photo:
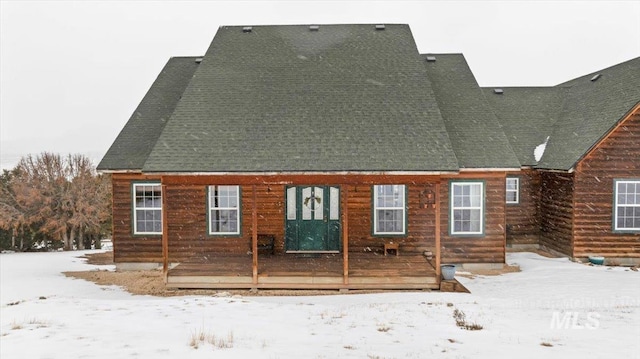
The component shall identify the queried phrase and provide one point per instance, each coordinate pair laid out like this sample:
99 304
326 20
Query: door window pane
291 203
307 204
334 203
318 204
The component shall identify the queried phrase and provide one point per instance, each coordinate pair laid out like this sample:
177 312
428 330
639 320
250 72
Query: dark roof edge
101 167
590 74
316 23
311 173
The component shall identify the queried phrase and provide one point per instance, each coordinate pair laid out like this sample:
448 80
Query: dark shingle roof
133 145
475 133
353 98
284 98
573 115
591 110
527 116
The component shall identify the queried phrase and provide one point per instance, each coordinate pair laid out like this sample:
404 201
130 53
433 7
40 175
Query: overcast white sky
72 72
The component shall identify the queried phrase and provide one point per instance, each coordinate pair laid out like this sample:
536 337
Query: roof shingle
475 133
590 111
133 145
284 98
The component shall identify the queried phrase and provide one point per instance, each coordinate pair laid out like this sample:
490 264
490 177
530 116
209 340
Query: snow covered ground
552 309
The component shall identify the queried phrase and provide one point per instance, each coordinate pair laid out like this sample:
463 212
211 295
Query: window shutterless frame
466 203
626 205
146 208
512 185
224 210
389 209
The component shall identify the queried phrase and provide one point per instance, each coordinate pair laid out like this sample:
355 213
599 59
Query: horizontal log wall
617 157
189 240
420 222
487 248
556 211
126 246
188 231
523 218
187 222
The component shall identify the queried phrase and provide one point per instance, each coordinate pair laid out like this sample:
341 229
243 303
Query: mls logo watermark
575 320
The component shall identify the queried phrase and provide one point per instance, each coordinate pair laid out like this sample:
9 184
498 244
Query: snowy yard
552 309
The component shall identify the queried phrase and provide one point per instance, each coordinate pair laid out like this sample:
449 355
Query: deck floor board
367 268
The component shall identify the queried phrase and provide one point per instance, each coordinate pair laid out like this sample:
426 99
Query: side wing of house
607 196
589 168
580 141
597 143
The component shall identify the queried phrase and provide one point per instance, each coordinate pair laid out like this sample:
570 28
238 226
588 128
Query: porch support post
165 233
345 235
437 230
254 233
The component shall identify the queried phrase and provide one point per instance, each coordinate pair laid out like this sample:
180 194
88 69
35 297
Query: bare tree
46 177
14 214
63 196
90 196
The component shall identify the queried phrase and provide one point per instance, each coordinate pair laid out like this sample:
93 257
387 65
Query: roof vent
595 77
198 60
380 27
431 59
247 29
314 27
498 91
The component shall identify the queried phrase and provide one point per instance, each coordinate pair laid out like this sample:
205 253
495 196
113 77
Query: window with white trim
627 205
224 210
389 210
467 208
147 208
513 190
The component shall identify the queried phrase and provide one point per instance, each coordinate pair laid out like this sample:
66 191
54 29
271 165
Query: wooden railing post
345 235
254 233
437 234
165 233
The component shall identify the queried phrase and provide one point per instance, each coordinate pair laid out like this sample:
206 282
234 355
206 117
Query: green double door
312 219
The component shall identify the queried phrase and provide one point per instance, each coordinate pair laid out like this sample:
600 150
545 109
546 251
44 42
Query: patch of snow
539 150
553 308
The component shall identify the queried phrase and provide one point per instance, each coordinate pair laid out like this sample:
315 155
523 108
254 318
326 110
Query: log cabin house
339 157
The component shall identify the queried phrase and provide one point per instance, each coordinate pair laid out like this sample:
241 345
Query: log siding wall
420 221
486 248
128 247
523 218
188 238
186 213
556 211
617 157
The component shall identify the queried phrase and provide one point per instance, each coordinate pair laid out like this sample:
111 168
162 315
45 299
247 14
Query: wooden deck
306 271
